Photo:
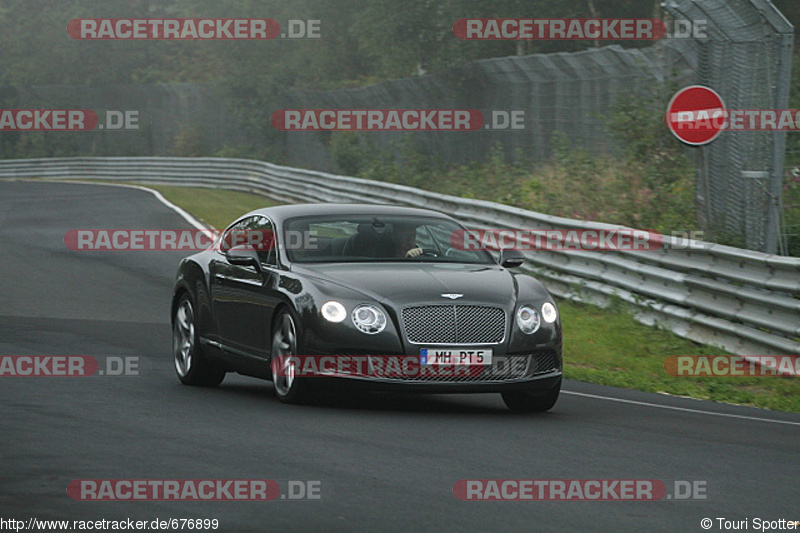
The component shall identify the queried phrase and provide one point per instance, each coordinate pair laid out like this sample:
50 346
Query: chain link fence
745 56
567 93
790 221
747 60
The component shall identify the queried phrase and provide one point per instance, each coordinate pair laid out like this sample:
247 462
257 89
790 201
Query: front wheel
525 402
289 388
191 366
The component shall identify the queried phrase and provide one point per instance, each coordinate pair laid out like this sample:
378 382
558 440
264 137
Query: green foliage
650 185
36 144
413 37
235 152
346 153
660 168
361 40
188 143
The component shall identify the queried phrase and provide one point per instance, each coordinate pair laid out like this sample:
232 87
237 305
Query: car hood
415 282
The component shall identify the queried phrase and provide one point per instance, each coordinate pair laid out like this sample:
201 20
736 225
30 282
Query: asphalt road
385 462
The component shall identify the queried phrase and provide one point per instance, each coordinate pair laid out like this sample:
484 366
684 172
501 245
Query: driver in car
406 242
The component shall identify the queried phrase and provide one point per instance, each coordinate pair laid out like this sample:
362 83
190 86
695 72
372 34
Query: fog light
549 313
333 311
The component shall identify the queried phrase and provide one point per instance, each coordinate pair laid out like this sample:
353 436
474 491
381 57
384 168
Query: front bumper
536 385
536 371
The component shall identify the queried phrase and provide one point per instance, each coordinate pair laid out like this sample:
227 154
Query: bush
650 185
188 143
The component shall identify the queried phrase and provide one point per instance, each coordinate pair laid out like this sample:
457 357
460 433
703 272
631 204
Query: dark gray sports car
364 295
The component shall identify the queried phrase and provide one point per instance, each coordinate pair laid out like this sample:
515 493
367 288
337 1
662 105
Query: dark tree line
362 40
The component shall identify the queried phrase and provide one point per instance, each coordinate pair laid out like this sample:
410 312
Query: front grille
503 368
454 324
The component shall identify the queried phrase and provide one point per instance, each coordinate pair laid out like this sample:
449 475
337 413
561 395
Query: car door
244 296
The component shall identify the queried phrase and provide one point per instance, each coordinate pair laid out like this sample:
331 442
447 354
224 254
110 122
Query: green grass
604 346
607 346
215 207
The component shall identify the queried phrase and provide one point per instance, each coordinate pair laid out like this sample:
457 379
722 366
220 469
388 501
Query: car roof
283 212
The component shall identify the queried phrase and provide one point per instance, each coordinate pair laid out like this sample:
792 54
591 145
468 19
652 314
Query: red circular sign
696 115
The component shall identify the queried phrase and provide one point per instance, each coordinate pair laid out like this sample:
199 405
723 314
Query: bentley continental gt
370 296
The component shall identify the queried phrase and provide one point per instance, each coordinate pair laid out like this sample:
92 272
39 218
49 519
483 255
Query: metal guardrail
745 302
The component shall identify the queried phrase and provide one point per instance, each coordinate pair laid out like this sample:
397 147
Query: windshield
370 238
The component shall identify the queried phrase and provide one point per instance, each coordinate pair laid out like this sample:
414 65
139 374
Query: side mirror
511 258
243 256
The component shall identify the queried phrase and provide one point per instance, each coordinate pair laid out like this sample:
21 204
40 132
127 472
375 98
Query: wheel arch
192 280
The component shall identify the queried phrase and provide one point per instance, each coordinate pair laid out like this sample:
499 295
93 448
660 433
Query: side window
257 231
235 235
424 238
267 245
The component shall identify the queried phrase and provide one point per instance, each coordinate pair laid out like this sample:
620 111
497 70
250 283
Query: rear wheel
289 388
191 366
525 402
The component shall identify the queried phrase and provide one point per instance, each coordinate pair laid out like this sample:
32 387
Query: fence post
782 84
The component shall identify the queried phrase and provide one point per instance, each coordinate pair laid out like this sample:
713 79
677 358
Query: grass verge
609 347
215 207
604 346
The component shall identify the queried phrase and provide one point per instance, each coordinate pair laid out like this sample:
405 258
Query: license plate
458 357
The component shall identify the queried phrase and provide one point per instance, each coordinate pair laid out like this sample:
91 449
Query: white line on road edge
685 409
186 216
189 218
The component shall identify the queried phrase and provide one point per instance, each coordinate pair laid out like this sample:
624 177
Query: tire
525 402
190 364
286 342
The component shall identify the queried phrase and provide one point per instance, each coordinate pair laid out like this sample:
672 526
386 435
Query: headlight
333 311
369 319
528 319
549 313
